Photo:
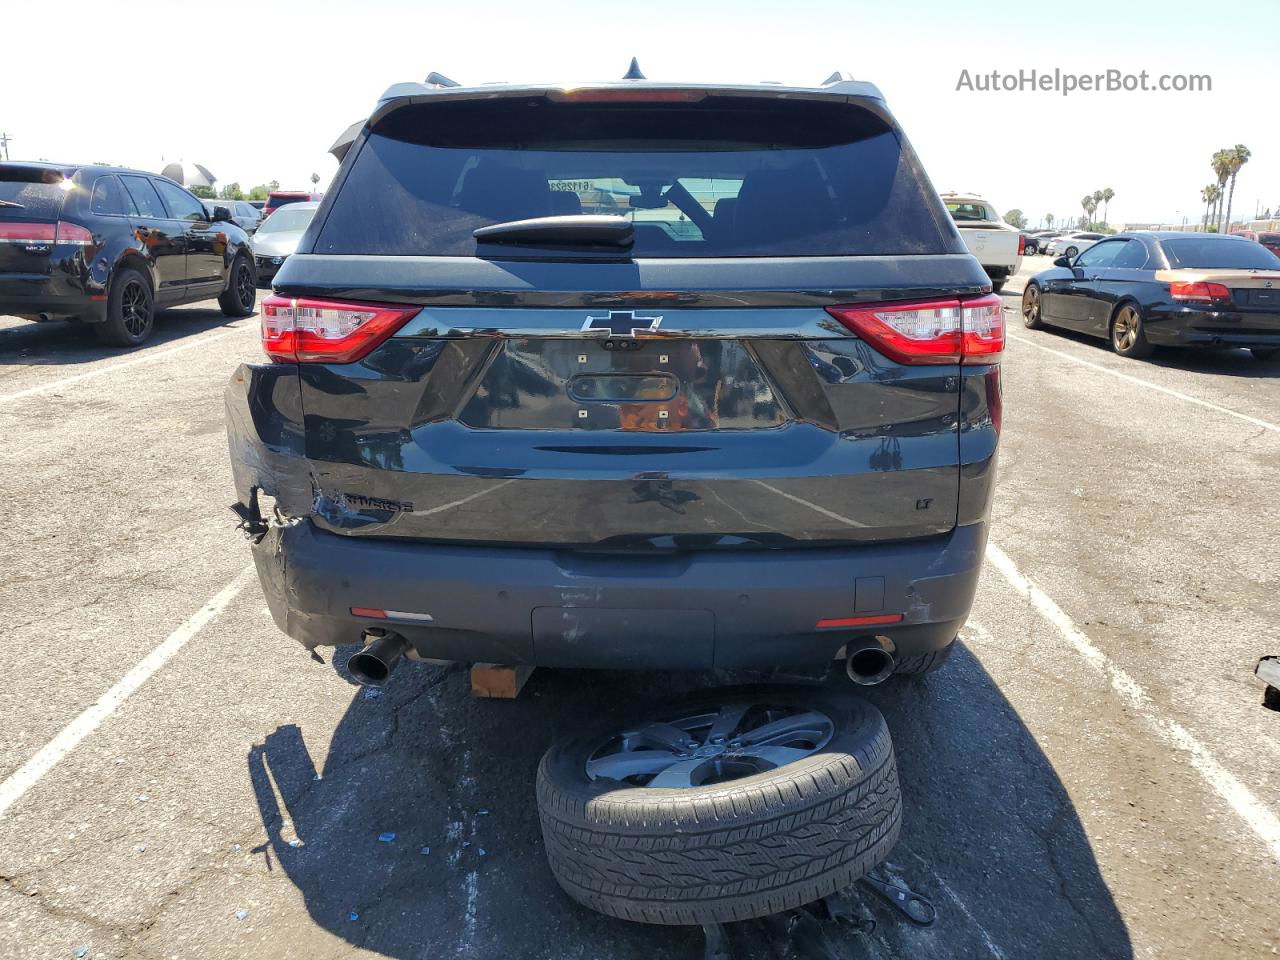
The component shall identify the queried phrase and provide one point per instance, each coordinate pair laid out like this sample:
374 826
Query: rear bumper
1179 326
58 295
567 609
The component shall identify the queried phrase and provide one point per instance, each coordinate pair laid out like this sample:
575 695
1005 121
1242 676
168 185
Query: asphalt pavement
1092 775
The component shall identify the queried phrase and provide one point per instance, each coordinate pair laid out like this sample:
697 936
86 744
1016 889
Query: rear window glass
277 201
968 211
1218 252
20 198
145 199
283 221
109 198
729 177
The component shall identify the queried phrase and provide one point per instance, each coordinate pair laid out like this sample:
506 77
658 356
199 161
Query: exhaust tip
868 666
372 666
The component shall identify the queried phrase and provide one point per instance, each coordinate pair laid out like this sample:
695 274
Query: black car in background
244 214
1143 290
109 246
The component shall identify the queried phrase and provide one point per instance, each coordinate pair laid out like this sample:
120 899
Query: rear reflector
860 621
376 613
1199 292
941 331
327 331
1022 244
46 233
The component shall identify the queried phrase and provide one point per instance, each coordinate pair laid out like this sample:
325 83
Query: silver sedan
279 236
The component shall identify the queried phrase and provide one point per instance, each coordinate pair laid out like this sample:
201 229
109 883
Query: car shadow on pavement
418 834
1224 361
59 342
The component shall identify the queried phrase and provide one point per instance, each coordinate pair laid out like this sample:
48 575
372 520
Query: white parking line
49 756
955 898
1275 428
1260 819
111 367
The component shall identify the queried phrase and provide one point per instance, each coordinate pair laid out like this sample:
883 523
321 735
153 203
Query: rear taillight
1022 244
33 233
74 234
46 233
1198 292
327 331
945 331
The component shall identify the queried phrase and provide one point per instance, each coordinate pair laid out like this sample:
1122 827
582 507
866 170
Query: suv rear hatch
689 389
31 200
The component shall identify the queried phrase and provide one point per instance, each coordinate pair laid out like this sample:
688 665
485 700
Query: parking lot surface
1093 774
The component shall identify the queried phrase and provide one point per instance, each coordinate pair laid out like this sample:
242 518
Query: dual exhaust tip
372 666
867 664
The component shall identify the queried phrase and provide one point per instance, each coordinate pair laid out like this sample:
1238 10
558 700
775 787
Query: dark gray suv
625 375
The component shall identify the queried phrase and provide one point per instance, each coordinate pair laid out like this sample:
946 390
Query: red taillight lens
945 331
1198 292
983 323
1022 244
74 234
327 331
50 233
35 233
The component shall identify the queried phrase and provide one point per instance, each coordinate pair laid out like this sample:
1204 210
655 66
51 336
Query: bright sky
258 91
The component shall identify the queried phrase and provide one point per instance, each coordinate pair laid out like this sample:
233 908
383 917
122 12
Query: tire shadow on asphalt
419 835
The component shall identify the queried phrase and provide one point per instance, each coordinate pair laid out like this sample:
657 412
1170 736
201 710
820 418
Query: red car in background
1269 240
279 198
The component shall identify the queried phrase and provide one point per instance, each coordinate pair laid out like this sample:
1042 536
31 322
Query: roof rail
440 80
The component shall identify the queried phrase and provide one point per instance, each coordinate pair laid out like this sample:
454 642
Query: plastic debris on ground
81 952
353 916
424 851
386 837
241 914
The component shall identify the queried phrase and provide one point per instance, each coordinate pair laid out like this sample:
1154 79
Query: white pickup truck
997 245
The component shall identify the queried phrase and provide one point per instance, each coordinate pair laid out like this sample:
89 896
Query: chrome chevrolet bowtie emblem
621 323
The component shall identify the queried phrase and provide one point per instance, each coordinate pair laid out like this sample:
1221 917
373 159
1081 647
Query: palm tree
1048 219
1107 194
1239 156
1087 203
1097 201
1209 195
1221 164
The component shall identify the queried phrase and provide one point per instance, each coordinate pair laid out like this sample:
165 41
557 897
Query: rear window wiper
10 203
574 230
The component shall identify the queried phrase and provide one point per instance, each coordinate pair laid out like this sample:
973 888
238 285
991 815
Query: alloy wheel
1031 306
1124 333
244 285
135 308
694 750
